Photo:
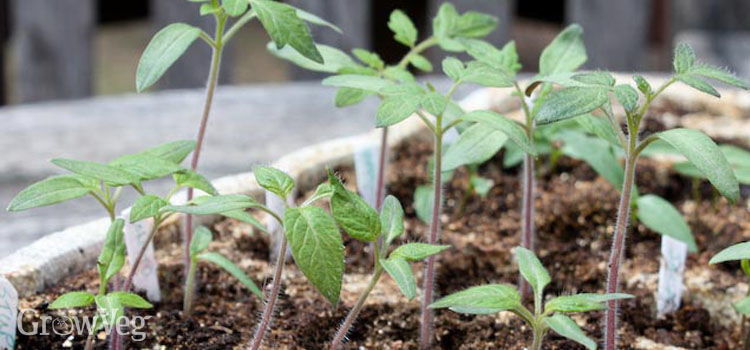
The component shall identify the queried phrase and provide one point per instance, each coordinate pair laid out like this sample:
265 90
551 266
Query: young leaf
130 300
510 128
739 251
274 180
601 298
566 327
486 75
423 198
311 18
72 300
395 108
234 270
719 74
163 50
145 167
333 58
453 68
234 8
659 215
189 178
473 24
420 62
401 272
146 206
565 53
532 270
174 152
570 102
369 58
476 144
482 185
485 299
403 28
398 74
106 173
595 78
445 21
209 205
202 237
351 212
742 306
572 303
643 85
357 81
417 251
684 58
52 190
434 103
317 248
700 150
600 127
209 8
347 96
109 309
391 219
627 96
243 216
596 153
698 84
282 23
324 190
112 256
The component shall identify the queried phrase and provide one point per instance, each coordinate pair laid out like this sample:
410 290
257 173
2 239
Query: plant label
366 159
671 270
8 314
147 276
276 204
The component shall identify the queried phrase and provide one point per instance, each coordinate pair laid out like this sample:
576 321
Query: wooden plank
53 49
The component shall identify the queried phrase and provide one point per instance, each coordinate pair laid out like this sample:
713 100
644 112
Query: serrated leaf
434 103
401 273
284 26
481 299
189 178
423 198
352 213
572 303
417 251
164 49
107 173
486 75
174 152
357 81
403 28
719 74
684 58
566 327
661 216
228 266
742 306
146 167
202 237
627 96
234 8
112 256
333 59
391 219
532 271
420 62
274 180
317 248
698 84
475 145
739 251
146 206
209 205
72 300
570 102
130 300
453 68
371 59
52 190
565 53
700 150
510 128
347 96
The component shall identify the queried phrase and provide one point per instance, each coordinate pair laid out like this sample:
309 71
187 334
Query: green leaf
209 8
347 96
357 81
434 103
739 251
189 178
234 8
486 75
202 237
445 21
566 327
174 152
485 299
403 28
473 24
420 62
684 58
52 190
600 127
481 185
453 68
112 256
311 18
72 300
146 167
417 251
423 198
324 190
401 272
391 219
475 145
570 102
565 53
532 271
700 150
282 23
572 303
234 270
352 213
596 153
742 306
317 248
510 128
595 78
643 85
107 173
274 180
661 216
369 58
396 108
601 298
333 58
698 84
163 50
146 206
627 96
109 309
398 74
209 205
243 216
719 74
130 300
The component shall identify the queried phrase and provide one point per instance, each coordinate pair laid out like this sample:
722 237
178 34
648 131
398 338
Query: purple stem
265 320
527 221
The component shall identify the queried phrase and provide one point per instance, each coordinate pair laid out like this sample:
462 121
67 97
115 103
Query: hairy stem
265 320
187 302
429 275
527 217
538 337
354 312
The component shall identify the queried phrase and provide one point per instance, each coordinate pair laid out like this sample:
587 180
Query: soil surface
575 215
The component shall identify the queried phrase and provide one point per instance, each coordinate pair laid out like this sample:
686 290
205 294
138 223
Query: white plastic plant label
366 159
671 270
147 276
8 314
276 204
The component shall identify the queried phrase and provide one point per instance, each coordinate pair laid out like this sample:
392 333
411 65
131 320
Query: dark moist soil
575 214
